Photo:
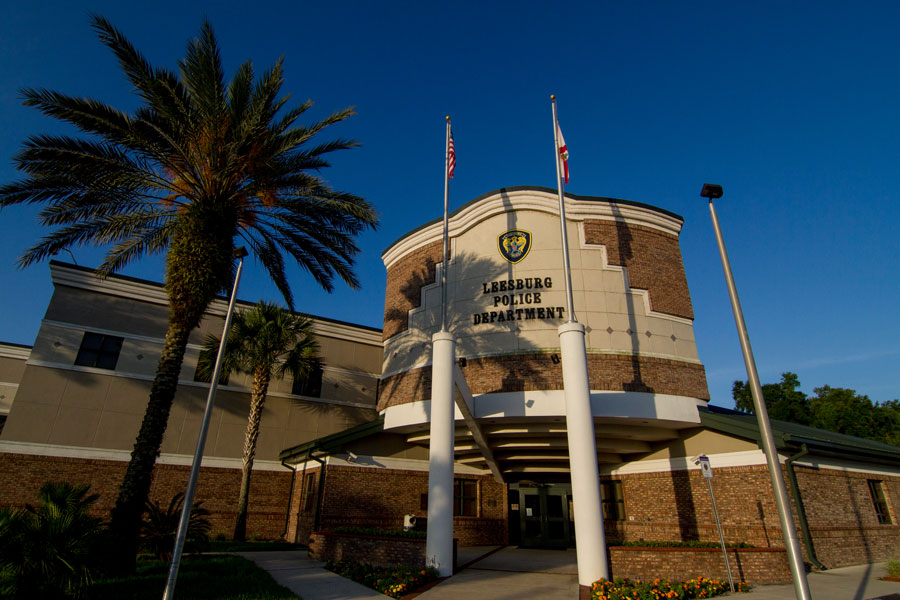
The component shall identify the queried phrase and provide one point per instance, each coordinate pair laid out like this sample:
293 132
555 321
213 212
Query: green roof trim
791 437
333 443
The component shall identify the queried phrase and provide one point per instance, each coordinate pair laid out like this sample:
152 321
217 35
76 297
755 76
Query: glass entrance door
544 515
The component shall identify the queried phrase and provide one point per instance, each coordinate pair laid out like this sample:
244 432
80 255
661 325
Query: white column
590 540
439 544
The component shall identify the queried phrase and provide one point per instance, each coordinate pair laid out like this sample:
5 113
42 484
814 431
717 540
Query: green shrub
680 544
50 551
395 533
394 582
159 528
893 567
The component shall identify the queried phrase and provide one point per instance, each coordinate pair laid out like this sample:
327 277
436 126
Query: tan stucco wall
12 366
58 403
694 442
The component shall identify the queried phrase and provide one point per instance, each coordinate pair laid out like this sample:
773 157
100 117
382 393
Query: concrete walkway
860 582
307 578
545 574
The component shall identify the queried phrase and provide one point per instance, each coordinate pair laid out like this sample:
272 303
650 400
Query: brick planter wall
368 497
374 550
756 566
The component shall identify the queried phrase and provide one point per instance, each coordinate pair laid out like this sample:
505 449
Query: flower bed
395 582
659 589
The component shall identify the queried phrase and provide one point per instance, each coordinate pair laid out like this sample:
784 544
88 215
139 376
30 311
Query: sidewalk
541 574
859 582
307 578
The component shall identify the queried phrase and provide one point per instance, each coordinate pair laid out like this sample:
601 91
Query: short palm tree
264 341
201 164
50 551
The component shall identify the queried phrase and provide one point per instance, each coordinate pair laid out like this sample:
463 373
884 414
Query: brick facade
23 476
405 279
367 497
653 260
536 371
756 566
842 521
373 550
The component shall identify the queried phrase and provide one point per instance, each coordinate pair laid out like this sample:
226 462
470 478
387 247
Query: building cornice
578 209
154 293
14 351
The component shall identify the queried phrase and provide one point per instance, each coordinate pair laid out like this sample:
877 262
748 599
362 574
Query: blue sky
792 107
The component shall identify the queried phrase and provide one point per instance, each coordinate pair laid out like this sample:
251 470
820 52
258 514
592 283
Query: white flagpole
444 246
562 217
439 537
590 544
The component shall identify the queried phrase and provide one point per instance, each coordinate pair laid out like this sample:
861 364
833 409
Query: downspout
319 491
287 511
801 512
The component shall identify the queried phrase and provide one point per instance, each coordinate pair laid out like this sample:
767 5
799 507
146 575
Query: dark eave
791 437
333 443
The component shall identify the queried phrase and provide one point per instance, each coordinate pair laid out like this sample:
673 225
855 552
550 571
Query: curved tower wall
629 288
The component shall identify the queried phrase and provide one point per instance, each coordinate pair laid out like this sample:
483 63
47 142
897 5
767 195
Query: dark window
612 500
310 385
876 488
98 350
423 502
310 492
465 498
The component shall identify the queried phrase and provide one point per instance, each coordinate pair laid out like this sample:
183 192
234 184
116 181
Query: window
876 488
310 385
310 492
612 500
98 350
465 498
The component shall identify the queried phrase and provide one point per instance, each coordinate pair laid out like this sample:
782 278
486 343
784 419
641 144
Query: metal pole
169 593
562 218
590 546
792 544
721 536
444 245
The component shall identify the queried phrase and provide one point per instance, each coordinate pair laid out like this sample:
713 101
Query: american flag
451 157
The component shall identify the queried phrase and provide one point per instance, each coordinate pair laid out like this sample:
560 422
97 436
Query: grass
206 578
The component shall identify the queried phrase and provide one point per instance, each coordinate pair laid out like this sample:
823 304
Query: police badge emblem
514 244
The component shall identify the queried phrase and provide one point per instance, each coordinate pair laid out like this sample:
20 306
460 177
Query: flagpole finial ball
553 96
448 117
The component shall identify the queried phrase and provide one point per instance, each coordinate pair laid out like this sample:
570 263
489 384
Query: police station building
353 445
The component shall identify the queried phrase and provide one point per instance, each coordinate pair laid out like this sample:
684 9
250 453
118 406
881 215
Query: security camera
351 457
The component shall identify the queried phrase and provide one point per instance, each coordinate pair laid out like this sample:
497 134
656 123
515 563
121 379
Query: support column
590 539
439 543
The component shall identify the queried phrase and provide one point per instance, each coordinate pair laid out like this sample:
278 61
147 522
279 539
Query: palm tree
264 341
199 165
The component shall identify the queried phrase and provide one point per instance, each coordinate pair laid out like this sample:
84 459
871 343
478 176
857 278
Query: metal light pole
791 543
169 592
706 470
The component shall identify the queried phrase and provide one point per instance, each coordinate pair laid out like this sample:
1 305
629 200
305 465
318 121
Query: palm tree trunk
126 515
258 393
